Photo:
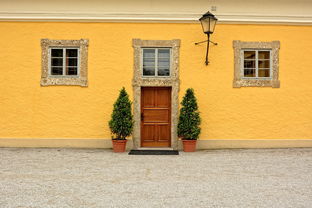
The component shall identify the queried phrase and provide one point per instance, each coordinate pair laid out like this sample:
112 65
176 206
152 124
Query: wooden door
156 116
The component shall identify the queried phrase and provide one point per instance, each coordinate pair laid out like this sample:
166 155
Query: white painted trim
225 18
252 143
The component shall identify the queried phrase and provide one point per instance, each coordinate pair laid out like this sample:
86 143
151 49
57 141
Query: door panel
156 117
164 132
148 98
162 98
148 132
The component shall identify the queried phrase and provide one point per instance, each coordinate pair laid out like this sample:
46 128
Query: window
256 64
64 62
156 62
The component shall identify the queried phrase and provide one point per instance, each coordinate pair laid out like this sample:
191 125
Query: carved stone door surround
140 81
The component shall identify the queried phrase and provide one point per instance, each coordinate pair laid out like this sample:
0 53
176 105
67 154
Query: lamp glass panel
212 25
206 25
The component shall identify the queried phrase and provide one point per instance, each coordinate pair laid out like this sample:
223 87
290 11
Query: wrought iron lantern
208 22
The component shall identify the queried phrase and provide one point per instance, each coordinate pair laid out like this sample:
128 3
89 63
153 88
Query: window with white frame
64 62
256 64
156 62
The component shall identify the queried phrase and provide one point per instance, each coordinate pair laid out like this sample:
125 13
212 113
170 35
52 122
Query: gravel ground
89 178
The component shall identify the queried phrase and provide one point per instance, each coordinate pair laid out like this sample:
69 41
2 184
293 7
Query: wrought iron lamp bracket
208 41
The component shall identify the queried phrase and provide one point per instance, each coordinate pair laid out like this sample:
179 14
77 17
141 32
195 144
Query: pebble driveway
60 178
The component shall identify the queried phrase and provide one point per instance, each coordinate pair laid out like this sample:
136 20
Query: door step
154 152
155 148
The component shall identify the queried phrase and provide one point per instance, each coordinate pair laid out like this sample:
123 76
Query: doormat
154 152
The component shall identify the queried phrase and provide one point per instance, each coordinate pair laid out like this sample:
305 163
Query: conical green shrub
189 119
121 123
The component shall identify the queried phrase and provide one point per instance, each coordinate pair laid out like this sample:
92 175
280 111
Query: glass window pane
164 53
163 71
249 64
57 52
148 62
148 53
249 72
264 73
249 54
71 52
163 63
57 62
148 71
264 64
71 62
71 71
56 71
264 55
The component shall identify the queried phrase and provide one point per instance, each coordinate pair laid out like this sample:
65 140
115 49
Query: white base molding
57 143
252 143
201 144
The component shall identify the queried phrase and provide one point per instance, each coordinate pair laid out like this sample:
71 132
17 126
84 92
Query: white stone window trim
156 62
64 60
75 80
257 66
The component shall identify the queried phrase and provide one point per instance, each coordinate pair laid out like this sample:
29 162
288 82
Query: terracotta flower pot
189 145
119 145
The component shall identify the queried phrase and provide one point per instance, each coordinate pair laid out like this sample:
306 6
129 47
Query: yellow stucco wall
28 110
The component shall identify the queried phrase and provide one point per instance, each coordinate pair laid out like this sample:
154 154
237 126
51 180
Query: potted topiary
189 121
121 123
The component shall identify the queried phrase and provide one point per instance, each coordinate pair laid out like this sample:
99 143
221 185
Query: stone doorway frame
139 81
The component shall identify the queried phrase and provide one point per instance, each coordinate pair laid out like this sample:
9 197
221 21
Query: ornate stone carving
139 81
238 81
47 80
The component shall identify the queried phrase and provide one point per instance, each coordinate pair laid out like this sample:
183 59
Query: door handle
142 116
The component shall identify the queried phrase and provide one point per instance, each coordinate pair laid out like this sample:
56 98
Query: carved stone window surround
140 81
81 79
239 81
